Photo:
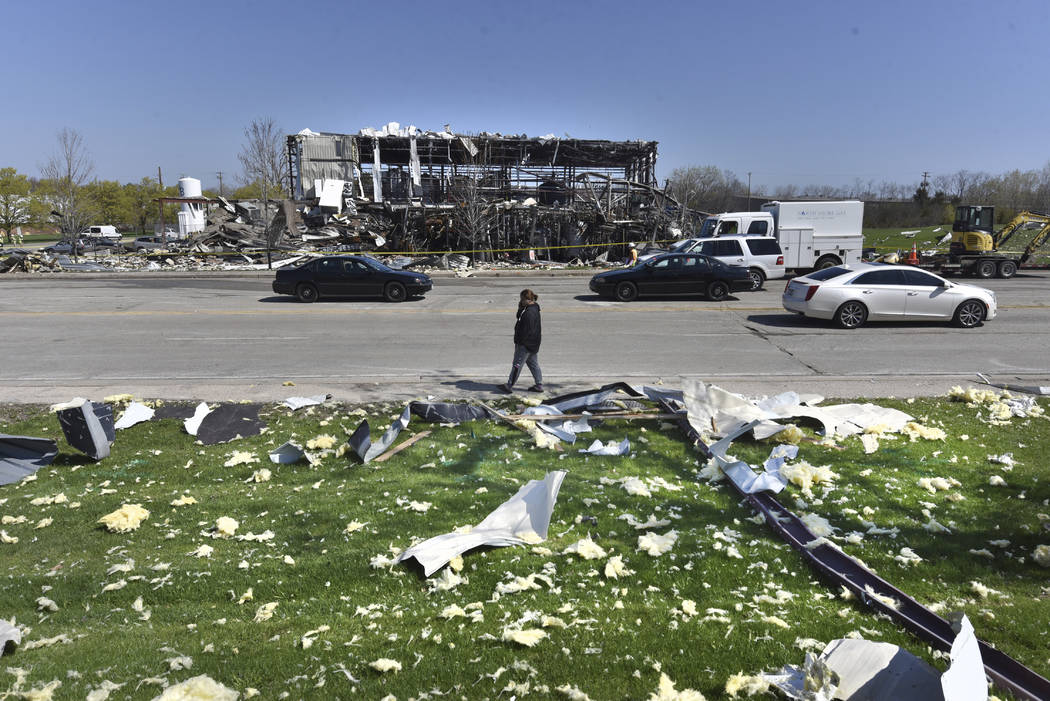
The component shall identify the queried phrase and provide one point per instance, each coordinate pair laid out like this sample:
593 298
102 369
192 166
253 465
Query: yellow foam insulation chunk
385 664
225 526
614 568
915 431
125 519
354 526
791 434
322 442
524 636
184 500
199 688
586 549
265 612
655 544
665 691
750 685
1041 555
805 476
240 457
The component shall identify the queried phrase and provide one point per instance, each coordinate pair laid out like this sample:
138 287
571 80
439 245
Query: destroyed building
493 195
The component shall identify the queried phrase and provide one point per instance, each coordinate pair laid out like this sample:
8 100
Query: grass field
308 605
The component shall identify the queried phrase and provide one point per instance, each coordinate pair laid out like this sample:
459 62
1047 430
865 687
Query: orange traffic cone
913 257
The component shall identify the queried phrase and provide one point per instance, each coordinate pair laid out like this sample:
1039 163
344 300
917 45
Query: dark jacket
527 328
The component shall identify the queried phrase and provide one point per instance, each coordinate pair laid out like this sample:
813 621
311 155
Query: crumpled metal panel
21 456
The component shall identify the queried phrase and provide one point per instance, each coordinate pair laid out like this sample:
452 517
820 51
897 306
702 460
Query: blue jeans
523 356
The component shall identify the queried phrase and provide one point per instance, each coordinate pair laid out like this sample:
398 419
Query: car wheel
851 315
717 291
626 291
394 292
985 269
306 292
827 262
969 314
1007 269
757 278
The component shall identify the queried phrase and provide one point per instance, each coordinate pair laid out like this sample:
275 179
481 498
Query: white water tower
191 218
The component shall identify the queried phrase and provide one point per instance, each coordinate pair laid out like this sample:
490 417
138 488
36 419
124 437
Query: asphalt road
231 338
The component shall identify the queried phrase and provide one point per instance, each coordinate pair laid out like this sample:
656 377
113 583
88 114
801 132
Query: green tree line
927 202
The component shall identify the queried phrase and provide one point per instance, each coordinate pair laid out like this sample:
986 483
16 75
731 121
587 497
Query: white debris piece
665 691
135 413
295 403
518 521
611 448
193 424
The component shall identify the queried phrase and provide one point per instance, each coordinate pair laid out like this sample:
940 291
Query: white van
106 231
761 255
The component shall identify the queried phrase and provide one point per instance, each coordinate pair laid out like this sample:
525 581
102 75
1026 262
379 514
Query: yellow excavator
975 245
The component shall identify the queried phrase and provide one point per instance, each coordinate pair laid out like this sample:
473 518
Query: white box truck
811 234
818 234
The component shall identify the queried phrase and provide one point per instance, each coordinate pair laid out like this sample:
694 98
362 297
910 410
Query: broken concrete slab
87 426
522 519
21 456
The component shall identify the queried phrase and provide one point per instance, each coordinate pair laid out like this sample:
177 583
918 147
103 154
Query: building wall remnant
487 193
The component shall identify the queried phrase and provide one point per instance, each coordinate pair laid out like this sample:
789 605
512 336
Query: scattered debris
88 426
522 519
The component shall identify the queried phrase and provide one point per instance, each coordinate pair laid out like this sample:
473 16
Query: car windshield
707 230
828 273
679 245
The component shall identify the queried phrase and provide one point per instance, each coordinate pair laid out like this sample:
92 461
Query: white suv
761 255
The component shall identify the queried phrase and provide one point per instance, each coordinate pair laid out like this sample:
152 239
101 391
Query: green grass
607 651
887 240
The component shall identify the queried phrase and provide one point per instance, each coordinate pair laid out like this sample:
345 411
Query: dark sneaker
505 388
536 388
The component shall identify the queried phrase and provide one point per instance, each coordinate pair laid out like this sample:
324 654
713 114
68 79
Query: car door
360 279
661 276
328 276
883 292
696 273
927 296
728 251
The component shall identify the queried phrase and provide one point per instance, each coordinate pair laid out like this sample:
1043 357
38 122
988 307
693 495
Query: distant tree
108 201
66 172
263 159
704 188
15 201
140 202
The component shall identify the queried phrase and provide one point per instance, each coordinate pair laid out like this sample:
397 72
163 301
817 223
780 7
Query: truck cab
737 223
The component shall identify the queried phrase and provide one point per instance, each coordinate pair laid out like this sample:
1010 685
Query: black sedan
673 274
349 276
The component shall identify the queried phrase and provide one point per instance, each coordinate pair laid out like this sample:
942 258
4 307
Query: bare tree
68 171
473 217
264 160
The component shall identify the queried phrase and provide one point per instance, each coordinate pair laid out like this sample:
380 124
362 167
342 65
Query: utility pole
749 190
221 192
160 205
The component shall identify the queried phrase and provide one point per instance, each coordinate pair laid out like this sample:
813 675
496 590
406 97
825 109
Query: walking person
526 342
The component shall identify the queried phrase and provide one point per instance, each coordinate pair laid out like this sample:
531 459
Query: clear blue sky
804 92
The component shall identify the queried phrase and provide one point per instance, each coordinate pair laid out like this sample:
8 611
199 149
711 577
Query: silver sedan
851 295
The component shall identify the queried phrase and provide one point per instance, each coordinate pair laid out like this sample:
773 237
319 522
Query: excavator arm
1018 223
1037 241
